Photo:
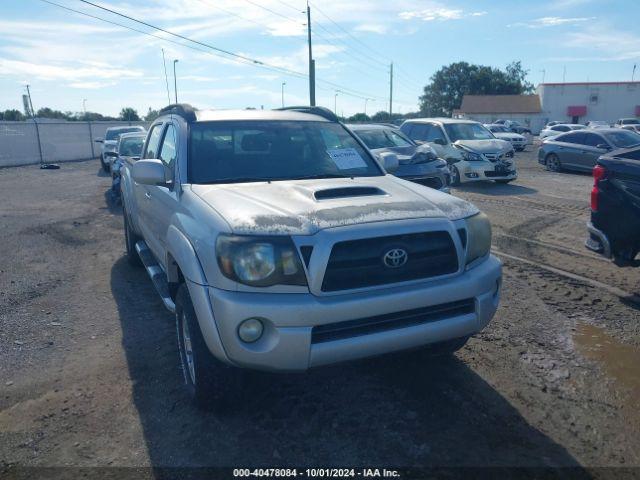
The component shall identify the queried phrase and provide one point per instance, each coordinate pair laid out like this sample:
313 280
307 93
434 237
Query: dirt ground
89 372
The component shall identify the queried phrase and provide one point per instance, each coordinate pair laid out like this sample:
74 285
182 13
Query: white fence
59 141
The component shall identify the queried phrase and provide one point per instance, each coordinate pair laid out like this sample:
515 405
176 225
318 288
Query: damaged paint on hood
291 208
485 146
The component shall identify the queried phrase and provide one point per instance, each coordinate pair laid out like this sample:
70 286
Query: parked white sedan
519 142
559 129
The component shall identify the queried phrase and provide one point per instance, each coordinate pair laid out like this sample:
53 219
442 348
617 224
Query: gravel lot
89 372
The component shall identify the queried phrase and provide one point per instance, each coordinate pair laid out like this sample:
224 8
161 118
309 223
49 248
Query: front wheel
210 383
553 163
130 240
105 166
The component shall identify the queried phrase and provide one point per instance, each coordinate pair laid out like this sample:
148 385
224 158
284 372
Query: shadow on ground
493 189
397 410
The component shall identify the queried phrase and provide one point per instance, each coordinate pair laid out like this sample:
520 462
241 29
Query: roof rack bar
320 111
183 110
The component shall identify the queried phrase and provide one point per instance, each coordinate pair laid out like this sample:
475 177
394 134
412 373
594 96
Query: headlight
260 261
471 156
478 237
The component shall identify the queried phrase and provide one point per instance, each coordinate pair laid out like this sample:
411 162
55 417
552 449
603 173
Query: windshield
623 138
498 129
577 127
246 151
131 147
114 134
631 121
383 138
467 131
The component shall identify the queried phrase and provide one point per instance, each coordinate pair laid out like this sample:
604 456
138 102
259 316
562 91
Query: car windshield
114 134
577 127
631 121
246 151
383 138
131 147
498 129
467 131
623 138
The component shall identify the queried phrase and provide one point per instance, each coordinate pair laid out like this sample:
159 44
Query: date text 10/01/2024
317 472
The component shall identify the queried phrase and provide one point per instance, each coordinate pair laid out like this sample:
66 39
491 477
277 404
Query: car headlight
478 237
260 261
471 156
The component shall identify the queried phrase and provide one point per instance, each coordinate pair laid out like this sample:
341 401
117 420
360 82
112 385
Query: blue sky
67 57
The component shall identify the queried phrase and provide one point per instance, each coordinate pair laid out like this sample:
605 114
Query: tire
105 166
505 180
455 176
130 240
552 163
211 384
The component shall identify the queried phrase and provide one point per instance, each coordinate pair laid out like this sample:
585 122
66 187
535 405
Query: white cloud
57 72
91 85
372 28
437 12
601 43
543 22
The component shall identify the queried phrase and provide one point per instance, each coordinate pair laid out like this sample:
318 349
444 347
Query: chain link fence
27 143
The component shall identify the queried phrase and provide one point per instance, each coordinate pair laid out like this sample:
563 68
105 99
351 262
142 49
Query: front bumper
483 171
429 174
287 345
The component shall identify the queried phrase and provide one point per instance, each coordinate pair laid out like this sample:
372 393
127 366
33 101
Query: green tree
47 112
449 84
151 115
129 114
380 116
12 116
359 117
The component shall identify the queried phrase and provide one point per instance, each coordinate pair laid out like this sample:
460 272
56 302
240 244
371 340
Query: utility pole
33 117
544 74
335 103
175 80
283 84
312 63
633 74
391 92
365 105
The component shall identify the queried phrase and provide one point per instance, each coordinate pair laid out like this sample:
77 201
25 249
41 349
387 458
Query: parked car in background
580 150
553 123
129 149
597 124
281 244
556 130
417 163
472 152
614 229
518 141
110 143
633 128
621 122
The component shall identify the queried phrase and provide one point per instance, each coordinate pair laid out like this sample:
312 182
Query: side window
574 137
593 140
168 149
435 132
420 131
154 141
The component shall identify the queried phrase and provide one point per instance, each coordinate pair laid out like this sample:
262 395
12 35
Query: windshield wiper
321 176
237 180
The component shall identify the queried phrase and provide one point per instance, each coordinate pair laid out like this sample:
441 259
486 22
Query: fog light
471 175
250 330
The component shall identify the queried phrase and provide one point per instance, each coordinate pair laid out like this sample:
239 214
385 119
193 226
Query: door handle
148 195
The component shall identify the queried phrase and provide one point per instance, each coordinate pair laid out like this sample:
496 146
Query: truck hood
303 207
485 146
507 136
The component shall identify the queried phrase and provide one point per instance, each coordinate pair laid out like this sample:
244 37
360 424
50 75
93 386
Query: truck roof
295 114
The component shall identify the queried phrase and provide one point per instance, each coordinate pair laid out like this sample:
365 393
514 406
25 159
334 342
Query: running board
156 274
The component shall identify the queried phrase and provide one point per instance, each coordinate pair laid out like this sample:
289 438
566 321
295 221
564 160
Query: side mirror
149 172
99 140
389 161
603 146
440 141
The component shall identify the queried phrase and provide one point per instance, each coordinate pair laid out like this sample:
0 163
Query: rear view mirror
149 172
389 161
440 141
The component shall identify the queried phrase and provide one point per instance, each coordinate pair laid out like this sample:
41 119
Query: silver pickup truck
282 244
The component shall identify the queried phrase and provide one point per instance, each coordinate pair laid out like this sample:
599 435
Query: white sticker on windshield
346 158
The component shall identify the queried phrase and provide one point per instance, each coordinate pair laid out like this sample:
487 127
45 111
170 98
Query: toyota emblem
395 258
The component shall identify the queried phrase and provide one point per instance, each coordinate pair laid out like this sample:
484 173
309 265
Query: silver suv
281 244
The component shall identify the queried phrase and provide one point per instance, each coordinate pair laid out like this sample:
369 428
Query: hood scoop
346 192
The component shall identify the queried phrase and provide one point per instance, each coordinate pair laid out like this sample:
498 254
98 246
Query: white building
581 102
564 102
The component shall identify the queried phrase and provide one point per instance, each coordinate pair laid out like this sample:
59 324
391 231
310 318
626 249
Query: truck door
141 192
162 204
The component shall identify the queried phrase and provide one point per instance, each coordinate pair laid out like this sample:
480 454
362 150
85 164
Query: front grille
431 182
360 263
492 157
390 321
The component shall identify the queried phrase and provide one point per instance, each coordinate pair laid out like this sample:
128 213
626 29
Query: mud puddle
619 361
